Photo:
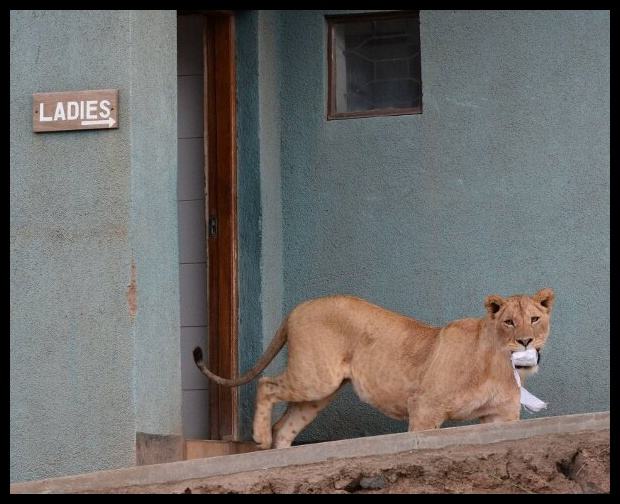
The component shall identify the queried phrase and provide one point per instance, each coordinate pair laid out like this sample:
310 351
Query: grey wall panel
195 414
190 106
190 338
189 40
192 231
191 181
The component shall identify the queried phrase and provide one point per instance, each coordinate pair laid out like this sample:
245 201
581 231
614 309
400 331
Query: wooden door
221 218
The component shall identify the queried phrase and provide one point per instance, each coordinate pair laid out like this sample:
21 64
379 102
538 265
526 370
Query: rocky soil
566 463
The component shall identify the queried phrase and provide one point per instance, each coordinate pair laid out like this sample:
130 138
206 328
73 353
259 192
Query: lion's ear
493 303
545 297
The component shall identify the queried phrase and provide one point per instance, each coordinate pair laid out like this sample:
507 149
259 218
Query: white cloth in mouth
526 358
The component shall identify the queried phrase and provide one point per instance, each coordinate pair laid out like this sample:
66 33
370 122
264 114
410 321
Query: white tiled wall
191 206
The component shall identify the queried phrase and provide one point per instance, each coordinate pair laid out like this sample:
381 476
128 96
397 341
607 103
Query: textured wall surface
500 186
154 227
248 210
85 372
270 137
259 198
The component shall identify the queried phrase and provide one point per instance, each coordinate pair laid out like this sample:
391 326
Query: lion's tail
274 347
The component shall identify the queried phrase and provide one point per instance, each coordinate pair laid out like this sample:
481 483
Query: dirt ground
566 463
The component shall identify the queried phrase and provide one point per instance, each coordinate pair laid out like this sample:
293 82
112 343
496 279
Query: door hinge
212 227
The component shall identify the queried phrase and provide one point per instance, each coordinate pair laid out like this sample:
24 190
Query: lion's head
521 322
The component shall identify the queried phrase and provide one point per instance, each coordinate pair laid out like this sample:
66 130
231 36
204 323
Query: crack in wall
132 292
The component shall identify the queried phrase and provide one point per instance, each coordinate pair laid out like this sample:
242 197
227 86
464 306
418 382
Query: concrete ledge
308 454
158 448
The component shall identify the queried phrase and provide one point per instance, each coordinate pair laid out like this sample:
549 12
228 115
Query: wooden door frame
220 94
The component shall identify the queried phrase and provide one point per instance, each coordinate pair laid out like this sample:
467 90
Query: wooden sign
75 110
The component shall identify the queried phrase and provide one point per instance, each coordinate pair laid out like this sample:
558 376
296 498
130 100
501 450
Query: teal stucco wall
249 210
500 186
88 372
261 286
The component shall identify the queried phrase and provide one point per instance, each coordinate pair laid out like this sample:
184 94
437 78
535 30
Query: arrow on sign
110 122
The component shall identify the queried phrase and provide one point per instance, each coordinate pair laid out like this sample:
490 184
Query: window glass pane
376 64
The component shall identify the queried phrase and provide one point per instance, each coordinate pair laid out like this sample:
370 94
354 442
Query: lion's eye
509 322
535 319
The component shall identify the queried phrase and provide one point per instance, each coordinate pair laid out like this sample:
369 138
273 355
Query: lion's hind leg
297 417
281 388
266 396
270 391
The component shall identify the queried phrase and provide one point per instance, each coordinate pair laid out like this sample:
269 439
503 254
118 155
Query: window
374 65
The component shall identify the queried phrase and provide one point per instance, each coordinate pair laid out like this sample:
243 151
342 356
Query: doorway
207 202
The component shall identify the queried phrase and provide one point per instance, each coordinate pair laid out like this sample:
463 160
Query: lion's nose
525 343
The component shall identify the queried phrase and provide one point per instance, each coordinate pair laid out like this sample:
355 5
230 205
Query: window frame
335 19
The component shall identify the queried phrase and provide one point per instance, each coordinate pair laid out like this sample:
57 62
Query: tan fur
402 367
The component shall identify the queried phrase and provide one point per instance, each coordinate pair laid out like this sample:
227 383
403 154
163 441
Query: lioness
403 367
